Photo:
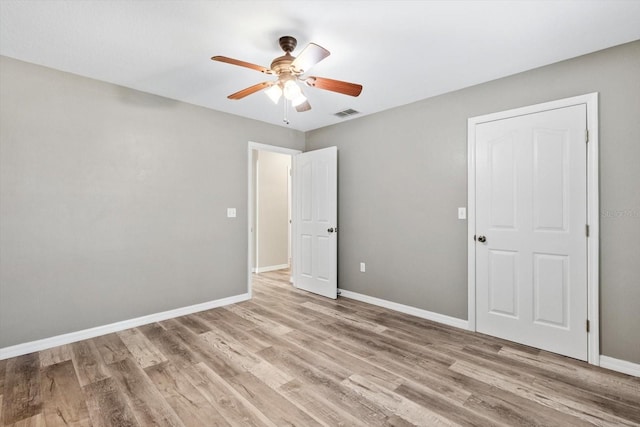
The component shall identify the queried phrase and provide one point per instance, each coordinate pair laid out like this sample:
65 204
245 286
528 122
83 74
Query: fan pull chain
286 105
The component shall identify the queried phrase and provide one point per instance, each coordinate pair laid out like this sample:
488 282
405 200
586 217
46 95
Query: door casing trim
593 242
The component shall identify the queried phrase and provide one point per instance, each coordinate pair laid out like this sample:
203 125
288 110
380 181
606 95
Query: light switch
462 213
231 212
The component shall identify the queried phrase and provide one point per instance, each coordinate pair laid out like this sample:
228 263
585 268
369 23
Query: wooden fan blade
251 89
242 64
305 106
346 88
310 56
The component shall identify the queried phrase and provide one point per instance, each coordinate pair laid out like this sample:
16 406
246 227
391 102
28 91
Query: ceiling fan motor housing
282 65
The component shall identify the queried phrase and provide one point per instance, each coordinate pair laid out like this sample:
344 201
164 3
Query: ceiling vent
346 113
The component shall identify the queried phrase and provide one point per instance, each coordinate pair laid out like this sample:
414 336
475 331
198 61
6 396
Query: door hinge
586 230
588 326
586 136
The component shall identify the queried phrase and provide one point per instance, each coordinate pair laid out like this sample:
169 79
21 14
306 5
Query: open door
315 221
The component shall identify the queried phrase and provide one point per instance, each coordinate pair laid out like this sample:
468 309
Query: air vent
346 113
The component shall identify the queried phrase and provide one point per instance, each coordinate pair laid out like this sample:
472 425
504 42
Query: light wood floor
290 358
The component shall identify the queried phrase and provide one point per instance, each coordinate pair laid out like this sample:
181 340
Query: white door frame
593 242
250 211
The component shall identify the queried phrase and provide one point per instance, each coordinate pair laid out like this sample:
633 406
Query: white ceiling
400 51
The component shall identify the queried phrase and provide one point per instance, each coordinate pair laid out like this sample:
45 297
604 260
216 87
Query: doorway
269 208
533 227
272 239
313 196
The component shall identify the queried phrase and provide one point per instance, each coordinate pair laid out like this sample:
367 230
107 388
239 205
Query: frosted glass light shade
291 90
298 100
274 93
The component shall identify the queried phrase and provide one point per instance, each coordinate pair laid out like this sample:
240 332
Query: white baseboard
606 362
271 268
619 365
45 343
418 312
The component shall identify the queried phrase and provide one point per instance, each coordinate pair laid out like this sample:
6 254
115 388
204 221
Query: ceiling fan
290 69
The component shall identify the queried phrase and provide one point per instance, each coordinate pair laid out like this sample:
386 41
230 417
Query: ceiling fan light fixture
274 93
291 90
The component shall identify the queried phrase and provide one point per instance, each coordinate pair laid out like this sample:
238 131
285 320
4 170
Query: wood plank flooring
291 358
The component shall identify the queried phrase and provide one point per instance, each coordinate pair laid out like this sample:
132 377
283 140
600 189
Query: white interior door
531 216
315 223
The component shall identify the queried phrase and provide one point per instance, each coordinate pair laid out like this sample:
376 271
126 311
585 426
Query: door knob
330 230
482 239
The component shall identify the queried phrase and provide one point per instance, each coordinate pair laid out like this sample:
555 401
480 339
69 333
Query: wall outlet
362 267
462 213
231 212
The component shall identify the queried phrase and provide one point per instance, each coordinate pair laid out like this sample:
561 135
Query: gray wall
113 202
403 173
273 209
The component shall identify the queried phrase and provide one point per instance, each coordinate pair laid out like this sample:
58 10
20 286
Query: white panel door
531 214
315 183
